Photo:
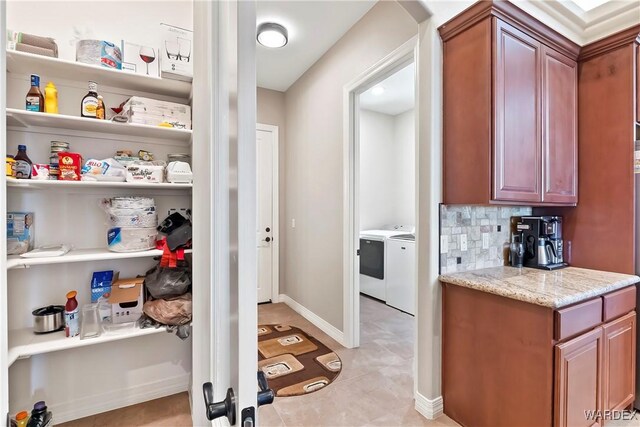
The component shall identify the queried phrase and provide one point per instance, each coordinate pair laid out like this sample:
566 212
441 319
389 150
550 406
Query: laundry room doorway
380 242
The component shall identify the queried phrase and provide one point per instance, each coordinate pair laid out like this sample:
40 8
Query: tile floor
375 387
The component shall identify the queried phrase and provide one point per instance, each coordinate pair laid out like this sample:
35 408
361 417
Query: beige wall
271 111
314 159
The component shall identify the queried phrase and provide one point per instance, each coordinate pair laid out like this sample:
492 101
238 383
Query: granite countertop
552 289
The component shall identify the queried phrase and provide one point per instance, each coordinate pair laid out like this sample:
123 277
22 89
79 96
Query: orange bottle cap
71 294
21 415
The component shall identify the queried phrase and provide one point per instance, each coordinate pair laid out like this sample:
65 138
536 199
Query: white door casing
388 65
4 345
267 212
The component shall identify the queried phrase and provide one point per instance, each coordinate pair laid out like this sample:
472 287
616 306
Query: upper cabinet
510 109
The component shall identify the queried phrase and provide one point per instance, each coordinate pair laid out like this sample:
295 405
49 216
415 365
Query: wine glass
148 55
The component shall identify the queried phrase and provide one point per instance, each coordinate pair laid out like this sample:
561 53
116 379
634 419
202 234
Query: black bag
163 282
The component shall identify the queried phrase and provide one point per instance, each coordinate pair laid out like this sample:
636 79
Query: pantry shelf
55 68
33 184
24 119
81 255
24 343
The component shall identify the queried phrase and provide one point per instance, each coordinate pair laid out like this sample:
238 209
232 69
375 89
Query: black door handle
265 395
268 239
267 229
225 408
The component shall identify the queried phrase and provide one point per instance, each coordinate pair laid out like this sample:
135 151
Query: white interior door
225 347
265 142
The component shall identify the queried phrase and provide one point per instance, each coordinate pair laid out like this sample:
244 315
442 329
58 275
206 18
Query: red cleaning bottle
71 315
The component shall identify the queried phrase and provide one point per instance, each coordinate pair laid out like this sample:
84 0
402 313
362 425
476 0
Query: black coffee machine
542 239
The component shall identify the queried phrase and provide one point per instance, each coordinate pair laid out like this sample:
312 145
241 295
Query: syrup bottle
89 104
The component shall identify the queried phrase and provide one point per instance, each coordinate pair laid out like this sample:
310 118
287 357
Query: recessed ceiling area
588 5
394 95
313 27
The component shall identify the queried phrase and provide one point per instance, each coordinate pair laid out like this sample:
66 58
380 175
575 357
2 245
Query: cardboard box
147 111
70 166
126 300
20 236
132 59
101 283
177 53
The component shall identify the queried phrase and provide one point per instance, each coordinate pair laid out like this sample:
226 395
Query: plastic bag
163 282
170 311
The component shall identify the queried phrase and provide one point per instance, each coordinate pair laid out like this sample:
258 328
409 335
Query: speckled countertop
547 288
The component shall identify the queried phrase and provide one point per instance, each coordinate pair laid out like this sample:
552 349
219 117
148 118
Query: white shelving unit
123 367
27 63
32 184
81 255
24 343
28 119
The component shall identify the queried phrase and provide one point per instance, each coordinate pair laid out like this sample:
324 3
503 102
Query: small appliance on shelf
542 239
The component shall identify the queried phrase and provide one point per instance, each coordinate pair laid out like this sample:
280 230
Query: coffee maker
542 239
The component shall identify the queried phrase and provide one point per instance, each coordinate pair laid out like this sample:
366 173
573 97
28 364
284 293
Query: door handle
268 239
225 408
265 395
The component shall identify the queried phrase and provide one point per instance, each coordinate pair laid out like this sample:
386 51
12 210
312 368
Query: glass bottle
23 163
89 104
35 99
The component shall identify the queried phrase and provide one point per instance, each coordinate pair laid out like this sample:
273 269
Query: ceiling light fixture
272 35
377 90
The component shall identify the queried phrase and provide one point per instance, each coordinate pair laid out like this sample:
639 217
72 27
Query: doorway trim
399 58
275 209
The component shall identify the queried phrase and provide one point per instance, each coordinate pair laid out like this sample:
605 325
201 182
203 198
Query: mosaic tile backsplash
473 222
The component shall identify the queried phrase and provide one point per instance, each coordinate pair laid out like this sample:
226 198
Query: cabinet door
619 362
578 381
517 149
559 128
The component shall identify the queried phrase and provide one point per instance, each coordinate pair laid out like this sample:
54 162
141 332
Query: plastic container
10 168
71 315
40 417
90 322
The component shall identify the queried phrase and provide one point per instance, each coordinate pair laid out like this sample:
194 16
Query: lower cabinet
578 383
595 373
619 362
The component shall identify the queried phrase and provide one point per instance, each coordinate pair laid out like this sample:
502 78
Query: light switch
293 223
485 240
463 242
444 244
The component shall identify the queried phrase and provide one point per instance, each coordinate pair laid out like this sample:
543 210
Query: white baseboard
318 321
430 409
115 399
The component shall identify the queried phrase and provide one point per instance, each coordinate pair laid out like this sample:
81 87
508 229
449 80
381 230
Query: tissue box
19 232
140 59
126 300
177 53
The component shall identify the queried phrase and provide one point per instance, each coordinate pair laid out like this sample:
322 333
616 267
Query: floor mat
294 362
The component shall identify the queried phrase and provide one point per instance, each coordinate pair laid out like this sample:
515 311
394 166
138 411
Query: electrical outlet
293 223
485 240
463 242
444 244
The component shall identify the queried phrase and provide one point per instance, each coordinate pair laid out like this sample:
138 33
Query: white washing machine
373 259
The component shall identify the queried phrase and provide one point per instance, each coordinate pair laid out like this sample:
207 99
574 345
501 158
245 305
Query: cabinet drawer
578 318
618 303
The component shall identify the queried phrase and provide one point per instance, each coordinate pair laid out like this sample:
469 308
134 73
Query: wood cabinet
510 109
619 362
507 362
578 381
517 86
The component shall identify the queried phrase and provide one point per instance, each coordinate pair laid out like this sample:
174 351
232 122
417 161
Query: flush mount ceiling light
377 90
272 35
